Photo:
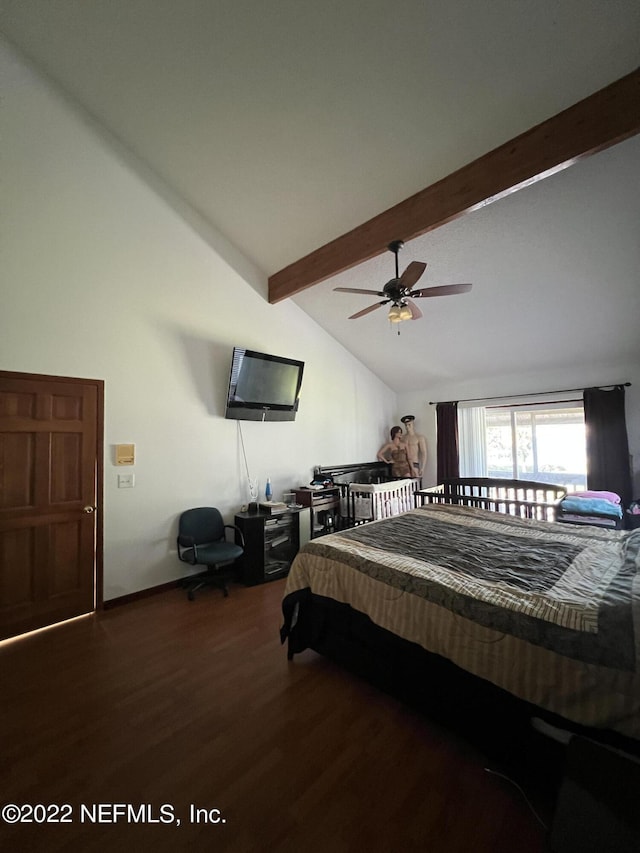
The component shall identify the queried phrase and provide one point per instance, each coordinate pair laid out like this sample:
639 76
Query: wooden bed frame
524 498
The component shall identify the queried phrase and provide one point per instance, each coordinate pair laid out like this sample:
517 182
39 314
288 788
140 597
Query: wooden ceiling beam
603 119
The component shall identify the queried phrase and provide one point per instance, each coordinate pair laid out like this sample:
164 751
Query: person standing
416 446
395 453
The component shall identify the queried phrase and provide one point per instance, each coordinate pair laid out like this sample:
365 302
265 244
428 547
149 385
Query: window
526 442
530 443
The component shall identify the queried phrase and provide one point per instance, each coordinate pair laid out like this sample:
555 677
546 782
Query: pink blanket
605 496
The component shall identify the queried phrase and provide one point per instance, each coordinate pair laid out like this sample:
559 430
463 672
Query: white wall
417 402
103 278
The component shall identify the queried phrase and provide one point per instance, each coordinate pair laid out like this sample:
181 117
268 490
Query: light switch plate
126 481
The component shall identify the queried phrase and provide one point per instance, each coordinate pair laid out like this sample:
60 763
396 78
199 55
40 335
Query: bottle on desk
268 494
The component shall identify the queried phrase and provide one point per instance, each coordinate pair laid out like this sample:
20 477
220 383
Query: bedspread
549 612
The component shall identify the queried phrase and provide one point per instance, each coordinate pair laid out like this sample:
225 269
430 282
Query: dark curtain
608 465
448 462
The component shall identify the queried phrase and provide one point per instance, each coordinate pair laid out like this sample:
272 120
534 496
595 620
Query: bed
444 595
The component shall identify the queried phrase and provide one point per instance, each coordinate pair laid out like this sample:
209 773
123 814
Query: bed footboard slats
523 498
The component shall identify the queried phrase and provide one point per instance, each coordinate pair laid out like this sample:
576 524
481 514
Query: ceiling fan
399 291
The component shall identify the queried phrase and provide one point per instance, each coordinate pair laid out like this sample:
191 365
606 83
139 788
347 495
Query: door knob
89 509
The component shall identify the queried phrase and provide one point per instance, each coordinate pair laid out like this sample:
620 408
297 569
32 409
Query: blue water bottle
267 490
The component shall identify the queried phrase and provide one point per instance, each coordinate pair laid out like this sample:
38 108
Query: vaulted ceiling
287 124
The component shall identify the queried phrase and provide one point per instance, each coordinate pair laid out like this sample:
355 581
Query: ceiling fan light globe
395 314
406 313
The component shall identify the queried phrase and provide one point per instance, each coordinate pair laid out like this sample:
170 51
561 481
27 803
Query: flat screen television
263 387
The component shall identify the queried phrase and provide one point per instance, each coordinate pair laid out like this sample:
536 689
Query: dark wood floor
166 702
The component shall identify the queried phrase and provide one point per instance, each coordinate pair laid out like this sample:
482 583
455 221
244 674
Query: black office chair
202 542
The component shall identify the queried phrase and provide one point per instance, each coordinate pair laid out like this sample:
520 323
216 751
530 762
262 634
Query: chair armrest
185 542
237 530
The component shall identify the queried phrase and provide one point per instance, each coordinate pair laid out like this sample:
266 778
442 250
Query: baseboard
143 593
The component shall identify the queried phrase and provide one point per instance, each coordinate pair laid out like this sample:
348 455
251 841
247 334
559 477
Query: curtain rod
534 394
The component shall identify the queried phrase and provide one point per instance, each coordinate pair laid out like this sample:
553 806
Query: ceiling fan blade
368 310
416 313
411 274
442 290
359 290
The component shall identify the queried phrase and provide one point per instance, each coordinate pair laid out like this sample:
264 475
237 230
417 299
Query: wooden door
50 434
